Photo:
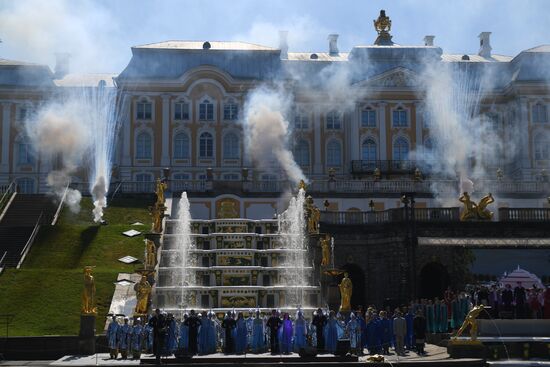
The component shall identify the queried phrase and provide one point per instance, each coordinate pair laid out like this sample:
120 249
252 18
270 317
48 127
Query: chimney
62 64
283 44
333 44
429 40
485 44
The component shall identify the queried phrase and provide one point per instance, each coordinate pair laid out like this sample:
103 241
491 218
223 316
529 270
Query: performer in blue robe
229 325
300 332
333 331
122 338
137 339
430 317
444 322
193 322
363 326
371 334
384 332
455 314
258 334
183 344
286 331
171 335
203 334
241 336
353 329
148 337
437 316
112 332
409 338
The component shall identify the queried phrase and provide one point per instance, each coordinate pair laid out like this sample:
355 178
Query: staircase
20 223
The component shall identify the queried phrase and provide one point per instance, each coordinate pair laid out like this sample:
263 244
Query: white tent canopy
527 279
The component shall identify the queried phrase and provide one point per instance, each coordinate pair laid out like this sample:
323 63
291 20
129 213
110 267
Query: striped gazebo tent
527 279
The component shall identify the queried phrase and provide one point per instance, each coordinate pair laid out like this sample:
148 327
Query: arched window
301 153
206 145
334 120
400 149
334 153
25 185
231 148
542 148
540 113
24 152
206 110
181 146
143 146
369 151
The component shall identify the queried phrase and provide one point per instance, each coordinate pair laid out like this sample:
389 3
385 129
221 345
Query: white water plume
464 142
103 123
292 231
184 245
267 132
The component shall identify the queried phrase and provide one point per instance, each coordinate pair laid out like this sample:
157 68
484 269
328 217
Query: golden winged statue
470 321
473 211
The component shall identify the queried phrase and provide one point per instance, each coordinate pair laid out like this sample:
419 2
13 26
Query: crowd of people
373 331
518 302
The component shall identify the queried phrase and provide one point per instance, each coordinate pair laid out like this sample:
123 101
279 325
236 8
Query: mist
267 131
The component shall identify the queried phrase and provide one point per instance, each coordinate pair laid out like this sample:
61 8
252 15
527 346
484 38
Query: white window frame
224 146
369 124
199 150
537 110
402 111
299 159
144 100
187 154
330 163
200 102
394 145
136 144
300 118
376 146
233 110
334 120
181 102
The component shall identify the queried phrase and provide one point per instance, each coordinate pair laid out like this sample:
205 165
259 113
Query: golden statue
470 321
478 211
88 293
346 289
417 175
313 215
157 212
383 23
160 188
143 290
151 254
325 250
482 211
302 185
470 208
377 174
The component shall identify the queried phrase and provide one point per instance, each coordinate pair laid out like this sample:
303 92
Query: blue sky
99 34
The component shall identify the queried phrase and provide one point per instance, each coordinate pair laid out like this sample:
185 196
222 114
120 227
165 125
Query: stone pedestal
86 335
465 349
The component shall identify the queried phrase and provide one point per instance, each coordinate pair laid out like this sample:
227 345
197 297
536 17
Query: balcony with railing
395 215
524 214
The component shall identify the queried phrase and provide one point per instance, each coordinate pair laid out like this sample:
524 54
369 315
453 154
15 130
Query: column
354 135
523 130
6 122
165 157
382 120
316 126
419 122
126 130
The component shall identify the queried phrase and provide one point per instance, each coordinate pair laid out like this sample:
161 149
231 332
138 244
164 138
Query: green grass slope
44 295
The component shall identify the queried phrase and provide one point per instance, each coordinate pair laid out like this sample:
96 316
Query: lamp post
411 239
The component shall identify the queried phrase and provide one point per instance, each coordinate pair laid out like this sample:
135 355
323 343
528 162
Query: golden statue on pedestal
313 215
157 213
377 174
479 211
143 290
383 23
160 188
471 322
302 185
88 293
346 289
151 255
325 250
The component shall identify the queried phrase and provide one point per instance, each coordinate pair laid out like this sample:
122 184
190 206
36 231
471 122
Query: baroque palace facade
183 107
